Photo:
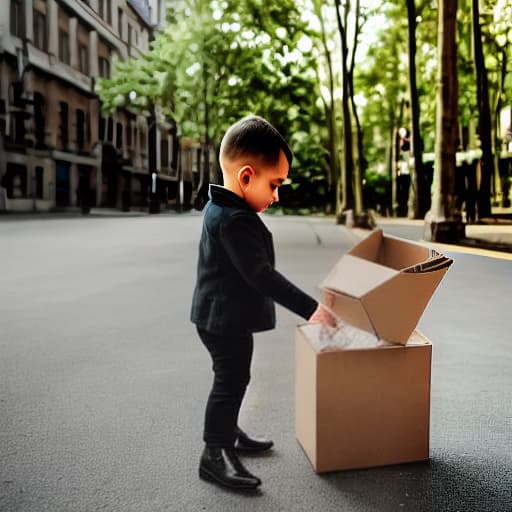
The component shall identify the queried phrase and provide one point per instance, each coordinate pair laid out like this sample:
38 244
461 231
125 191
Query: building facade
57 149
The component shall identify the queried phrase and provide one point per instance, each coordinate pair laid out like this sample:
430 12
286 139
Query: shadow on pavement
437 485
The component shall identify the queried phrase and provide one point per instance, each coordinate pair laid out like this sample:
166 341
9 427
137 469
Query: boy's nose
275 195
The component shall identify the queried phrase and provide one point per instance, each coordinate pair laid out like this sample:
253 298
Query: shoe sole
252 450
205 475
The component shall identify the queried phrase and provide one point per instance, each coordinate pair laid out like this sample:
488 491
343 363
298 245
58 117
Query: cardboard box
358 408
383 285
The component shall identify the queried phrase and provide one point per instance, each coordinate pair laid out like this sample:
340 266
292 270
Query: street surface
103 380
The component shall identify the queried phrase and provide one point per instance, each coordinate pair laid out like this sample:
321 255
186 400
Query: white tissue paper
341 337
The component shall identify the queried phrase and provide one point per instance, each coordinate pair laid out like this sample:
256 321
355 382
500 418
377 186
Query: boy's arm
243 241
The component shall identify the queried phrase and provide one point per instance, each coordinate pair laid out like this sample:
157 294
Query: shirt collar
223 197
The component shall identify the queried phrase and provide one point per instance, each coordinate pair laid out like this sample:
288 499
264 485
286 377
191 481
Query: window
80 129
39 120
104 67
63 125
142 139
39 182
174 152
119 135
130 35
83 59
110 130
40 32
105 10
16 94
101 128
3 124
64 53
120 22
164 153
88 131
17 18
16 180
129 135
18 130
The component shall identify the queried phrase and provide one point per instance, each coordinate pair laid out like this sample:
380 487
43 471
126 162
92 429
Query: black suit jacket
237 283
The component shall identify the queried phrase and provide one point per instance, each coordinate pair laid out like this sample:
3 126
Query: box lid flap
395 308
391 251
368 248
355 277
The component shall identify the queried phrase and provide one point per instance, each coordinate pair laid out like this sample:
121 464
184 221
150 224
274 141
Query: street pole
154 200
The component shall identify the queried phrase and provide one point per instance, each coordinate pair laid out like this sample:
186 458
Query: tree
443 222
348 195
329 104
224 60
500 54
397 81
417 194
484 117
352 195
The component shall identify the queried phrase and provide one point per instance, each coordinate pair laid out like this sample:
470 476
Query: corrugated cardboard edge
377 310
323 464
307 431
350 308
381 309
305 387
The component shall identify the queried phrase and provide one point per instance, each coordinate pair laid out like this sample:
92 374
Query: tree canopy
219 60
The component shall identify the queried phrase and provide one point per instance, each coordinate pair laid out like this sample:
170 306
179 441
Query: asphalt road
103 379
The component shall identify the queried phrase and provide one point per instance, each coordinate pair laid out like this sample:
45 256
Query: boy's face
261 186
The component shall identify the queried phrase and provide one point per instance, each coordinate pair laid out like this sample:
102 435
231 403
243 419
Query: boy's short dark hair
256 137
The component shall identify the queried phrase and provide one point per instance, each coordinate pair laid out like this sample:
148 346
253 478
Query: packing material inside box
383 285
367 404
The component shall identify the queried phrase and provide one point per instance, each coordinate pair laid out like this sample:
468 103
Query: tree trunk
497 128
484 113
393 170
418 194
395 150
333 177
442 224
347 168
358 152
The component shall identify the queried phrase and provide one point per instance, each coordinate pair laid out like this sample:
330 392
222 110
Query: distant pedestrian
237 286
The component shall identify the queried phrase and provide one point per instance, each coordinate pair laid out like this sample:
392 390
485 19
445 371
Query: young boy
237 286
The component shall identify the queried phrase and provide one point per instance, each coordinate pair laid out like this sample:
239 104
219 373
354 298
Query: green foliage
377 191
218 61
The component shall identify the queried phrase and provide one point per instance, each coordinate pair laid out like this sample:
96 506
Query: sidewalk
490 237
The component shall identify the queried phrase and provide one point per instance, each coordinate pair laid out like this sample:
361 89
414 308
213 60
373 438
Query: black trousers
231 356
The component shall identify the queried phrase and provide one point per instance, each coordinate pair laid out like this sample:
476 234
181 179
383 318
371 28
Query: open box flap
349 309
368 248
400 254
390 251
356 277
396 307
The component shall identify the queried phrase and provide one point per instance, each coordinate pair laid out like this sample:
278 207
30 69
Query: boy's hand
323 315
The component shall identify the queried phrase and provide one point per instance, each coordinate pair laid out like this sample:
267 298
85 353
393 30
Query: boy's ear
245 174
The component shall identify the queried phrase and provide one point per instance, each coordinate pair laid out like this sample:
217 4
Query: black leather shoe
223 467
244 443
